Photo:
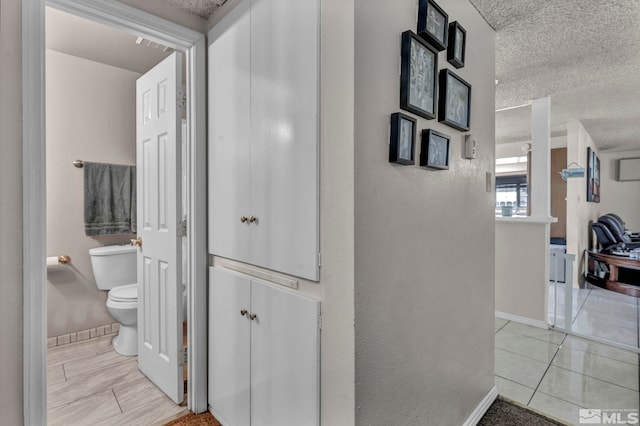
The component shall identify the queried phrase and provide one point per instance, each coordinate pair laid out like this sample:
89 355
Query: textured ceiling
202 8
584 54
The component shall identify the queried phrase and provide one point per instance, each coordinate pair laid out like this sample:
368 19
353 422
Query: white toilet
115 269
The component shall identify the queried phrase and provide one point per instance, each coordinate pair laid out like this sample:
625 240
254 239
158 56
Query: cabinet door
285 132
229 351
285 358
230 134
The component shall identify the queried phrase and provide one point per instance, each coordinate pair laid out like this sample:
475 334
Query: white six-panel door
158 162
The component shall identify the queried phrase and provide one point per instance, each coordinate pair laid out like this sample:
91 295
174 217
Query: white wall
90 116
424 239
621 198
336 287
521 280
11 216
580 213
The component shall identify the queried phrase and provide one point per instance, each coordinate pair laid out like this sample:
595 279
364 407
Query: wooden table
614 262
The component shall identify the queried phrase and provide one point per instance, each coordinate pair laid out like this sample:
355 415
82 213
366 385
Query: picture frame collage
429 92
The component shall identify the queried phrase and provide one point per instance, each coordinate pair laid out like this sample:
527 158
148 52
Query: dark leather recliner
632 235
604 236
618 231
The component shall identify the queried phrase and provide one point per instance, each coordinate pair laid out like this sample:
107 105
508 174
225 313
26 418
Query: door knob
252 219
252 317
137 242
243 312
243 219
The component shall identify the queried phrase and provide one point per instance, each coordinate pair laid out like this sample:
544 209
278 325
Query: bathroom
91 73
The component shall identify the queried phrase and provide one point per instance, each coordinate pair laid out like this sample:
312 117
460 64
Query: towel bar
78 163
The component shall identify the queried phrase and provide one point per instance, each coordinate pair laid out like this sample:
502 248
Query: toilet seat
125 293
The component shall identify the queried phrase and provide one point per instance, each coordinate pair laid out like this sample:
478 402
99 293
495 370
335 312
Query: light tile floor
90 384
598 313
559 374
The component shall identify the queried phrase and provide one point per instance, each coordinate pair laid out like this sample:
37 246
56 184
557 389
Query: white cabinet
264 353
263 136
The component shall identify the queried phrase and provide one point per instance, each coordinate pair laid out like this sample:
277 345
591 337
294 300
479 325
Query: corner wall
424 259
580 213
11 403
91 117
621 198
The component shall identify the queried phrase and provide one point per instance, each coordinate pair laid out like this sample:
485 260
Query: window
512 191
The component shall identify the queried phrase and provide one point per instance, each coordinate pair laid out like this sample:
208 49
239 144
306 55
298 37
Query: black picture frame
593 176
457 45
454 103
402 139
433 24
435 150
418 76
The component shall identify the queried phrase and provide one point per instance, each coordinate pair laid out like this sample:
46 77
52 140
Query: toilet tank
114 266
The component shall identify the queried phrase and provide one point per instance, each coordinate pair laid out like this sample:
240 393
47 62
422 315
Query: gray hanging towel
109 199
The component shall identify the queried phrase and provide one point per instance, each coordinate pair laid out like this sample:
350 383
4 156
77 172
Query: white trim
482 408
33 217
197 229
522 320
132 20
527 219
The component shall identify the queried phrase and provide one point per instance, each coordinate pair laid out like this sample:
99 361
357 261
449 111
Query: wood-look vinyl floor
90 384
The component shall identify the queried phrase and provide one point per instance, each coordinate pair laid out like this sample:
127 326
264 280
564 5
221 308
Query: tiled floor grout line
546 370
594 378
602 355
503 325
117 402
559 398
526 356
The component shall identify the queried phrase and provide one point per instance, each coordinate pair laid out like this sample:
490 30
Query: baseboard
78 336
522 320
482 408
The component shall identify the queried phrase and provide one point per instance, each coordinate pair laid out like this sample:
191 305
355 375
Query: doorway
152 28
92 71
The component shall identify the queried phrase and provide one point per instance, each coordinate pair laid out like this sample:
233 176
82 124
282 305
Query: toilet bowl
115 269
122 304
